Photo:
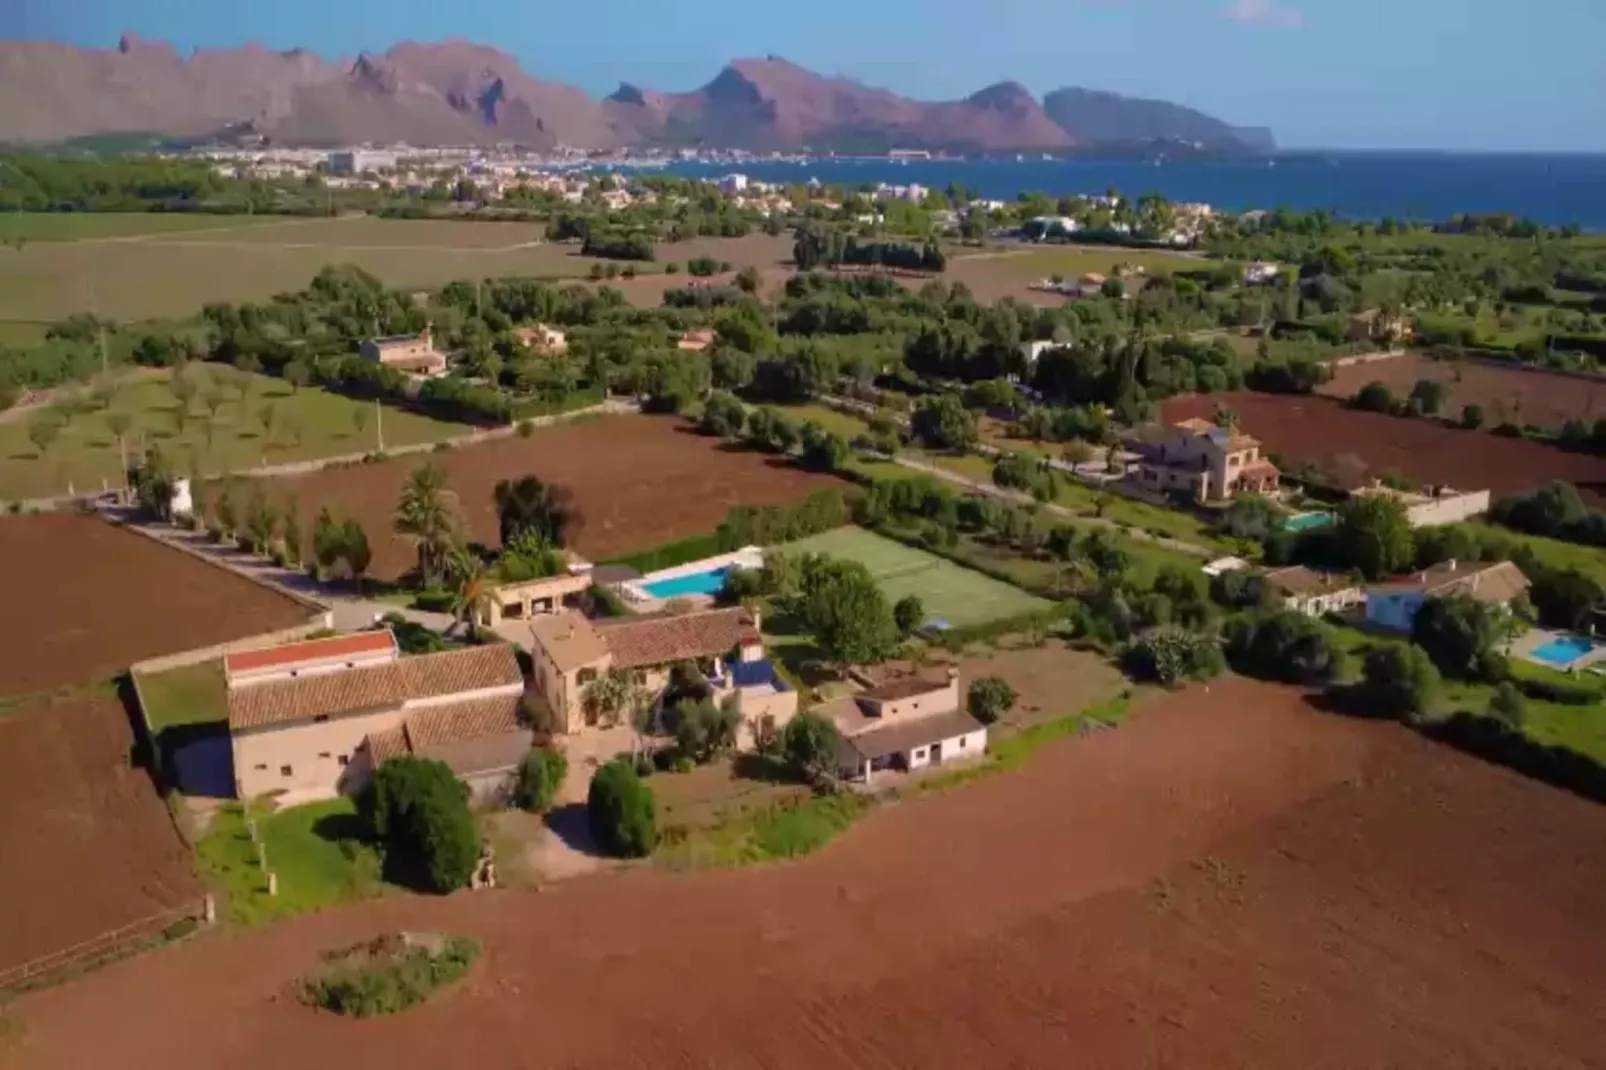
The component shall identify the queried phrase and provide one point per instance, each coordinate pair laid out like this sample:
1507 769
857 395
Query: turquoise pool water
708 582
1306 521
1563 650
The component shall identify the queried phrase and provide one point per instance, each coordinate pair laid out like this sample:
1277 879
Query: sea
1555 190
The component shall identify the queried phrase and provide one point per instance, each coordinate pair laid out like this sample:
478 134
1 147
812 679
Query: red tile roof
374 687
471 736
662 640
332 648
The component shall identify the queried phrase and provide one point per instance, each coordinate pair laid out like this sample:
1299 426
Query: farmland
996 275
949 592
1321 431
174 273
89 847
1229 879
1512 393
84 599
257 420
637 481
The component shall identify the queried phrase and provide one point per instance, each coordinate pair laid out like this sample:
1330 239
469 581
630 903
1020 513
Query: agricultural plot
118 226
1007 273
89 847
172 275
1515 394
636 482
85 599
231 421
948 591
1323 432
1397 904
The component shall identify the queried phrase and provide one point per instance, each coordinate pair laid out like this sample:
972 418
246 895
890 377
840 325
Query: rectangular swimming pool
1307 521
1562 650
709 582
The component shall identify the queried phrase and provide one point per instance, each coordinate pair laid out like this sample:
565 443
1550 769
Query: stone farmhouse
572 652
1205 462
539 338
902 724
414 354
1313 593
312 720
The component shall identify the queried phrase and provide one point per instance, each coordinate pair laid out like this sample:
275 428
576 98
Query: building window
323 754
920 753
585 676
285 770
262 767
320 719
343 760
963 742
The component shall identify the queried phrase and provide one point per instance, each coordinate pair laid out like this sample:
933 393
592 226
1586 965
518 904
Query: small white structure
1260 272
733 184
1223 565
904 724
183 502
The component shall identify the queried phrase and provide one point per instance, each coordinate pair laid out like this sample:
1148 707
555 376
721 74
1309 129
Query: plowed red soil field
637 481
1322 431
83 599
1529 397
88 845
1232 879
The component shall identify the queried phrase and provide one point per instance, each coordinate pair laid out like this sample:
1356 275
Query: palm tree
469 584
527 504
427 514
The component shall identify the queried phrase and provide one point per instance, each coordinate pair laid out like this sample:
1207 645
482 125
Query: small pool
1562 650
709 582
1307 521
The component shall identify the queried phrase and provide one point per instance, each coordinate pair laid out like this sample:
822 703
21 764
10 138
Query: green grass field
1072 260
313 849
194 694
306 424
1554 553
948 591
173 274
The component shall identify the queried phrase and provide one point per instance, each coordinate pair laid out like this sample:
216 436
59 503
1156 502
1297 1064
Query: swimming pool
1307 521
1562 650
708 582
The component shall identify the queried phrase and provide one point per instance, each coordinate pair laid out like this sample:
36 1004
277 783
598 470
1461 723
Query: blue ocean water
1550 189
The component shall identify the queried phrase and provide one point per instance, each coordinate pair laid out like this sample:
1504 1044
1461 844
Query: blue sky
1444 74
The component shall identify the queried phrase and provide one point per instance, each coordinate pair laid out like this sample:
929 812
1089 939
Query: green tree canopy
1373 536
622 811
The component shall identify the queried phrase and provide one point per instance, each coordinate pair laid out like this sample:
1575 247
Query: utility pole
379 424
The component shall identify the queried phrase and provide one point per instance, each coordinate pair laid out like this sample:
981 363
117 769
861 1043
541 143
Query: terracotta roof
391 743
1492 584
332 648
1242 442
661 640
454 722
1299 580
903 734
1261 468
907 687
569 639
374 687
1195 426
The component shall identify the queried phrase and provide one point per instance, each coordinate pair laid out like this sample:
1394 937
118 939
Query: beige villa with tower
1205 462
413 354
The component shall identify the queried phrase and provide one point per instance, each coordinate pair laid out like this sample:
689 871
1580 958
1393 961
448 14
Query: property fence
107 945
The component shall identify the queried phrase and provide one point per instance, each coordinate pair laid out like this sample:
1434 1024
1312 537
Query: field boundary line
106 943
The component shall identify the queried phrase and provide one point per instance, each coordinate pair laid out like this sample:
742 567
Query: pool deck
1525 646
635 594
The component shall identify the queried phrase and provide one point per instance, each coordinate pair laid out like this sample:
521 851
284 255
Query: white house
1394 604
904 724
1313 593
732 184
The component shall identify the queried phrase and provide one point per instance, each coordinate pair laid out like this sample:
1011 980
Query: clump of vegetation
419 809
1169 656
541 774
989 698
622 811
389 974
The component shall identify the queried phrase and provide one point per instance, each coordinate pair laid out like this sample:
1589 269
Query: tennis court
948 591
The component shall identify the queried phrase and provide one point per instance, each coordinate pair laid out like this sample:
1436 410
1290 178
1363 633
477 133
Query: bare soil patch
1322 431
85 599
1230 879
88 845
637 481
1546 399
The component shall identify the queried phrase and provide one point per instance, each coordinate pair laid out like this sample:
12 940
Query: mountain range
456 92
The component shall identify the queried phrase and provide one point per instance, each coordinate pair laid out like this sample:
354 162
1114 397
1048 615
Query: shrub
989 698
1170 655
1508 704
1373 397
541 774
810 743
1397 680
419 810
1287 646
622 811
388 975
908 613
434 601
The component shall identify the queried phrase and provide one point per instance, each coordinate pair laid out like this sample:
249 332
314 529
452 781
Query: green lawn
194 694
76 226
305 425
1590 560
844 424
313 849
948 591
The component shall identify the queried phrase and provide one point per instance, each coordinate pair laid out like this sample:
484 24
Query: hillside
459 92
